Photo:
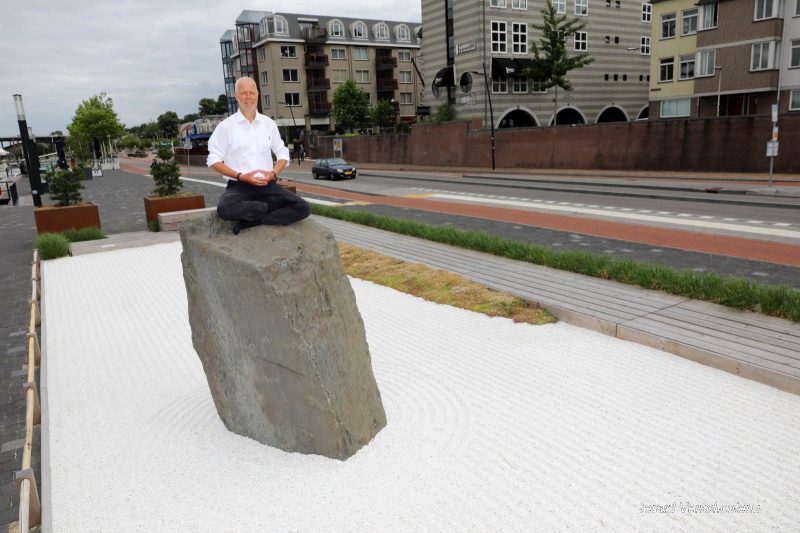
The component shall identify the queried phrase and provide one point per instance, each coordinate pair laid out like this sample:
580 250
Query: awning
444 78
525 64
504 68
197 136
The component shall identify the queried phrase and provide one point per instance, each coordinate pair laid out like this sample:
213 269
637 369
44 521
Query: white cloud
148 56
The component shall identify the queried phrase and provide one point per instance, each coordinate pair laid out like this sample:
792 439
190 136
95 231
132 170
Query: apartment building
298 61
724 57
462 40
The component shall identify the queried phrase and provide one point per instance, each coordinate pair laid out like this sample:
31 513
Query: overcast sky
149 56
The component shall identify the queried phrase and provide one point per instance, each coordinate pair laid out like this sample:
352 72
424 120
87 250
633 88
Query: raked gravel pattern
493 426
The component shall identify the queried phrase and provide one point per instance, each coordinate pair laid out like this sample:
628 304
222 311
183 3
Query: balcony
385 62
387 84
318 84
319 109
316 60
315 34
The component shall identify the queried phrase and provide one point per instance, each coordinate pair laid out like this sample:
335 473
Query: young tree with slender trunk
551 57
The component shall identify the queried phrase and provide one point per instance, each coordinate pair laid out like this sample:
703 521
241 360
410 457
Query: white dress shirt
245 146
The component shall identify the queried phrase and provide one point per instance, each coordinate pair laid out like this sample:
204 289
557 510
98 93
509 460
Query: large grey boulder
275 323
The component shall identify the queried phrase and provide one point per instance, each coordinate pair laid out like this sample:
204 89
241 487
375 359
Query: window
763 56
336 28
705 62
361 54
266 101
404 56
338 53
406 98
708 16
647 13
794 100
362 76
581 41
404 76
767 9
519 4
292 99
538 86
644 49
290 75
686 68
519 85
264 78
498 3
499 86
262 54
281 26
403 33
382 31
359 30
581 7
797 11
666 69
795 60
561 6
519 38
668 25
689 22
499 37
675 108
339 75
288 51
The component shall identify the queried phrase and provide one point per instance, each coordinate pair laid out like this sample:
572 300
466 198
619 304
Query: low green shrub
92 233
51 245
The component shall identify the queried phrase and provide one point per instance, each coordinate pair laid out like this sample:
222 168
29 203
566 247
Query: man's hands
258 177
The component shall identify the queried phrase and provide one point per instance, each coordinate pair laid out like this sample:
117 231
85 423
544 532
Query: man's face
247 96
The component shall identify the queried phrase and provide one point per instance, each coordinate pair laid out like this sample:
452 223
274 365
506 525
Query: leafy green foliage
735 292
383 114
168 123
401 126
350 106
91 233
65 185
551 57
166 173
444 113
51 245
94 118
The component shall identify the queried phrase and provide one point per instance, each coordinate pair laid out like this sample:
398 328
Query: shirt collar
239 117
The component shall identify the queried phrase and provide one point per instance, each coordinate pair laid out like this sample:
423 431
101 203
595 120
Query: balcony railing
385 62
387 84
318 84
319 108
316 60
315 33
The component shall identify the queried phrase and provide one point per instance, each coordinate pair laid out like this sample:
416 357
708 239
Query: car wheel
313 173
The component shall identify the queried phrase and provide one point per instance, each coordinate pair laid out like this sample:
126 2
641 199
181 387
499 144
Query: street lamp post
293 121
719 87
491 111
33 174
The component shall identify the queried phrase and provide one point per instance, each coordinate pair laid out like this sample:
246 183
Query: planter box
153 205
291 188
58 219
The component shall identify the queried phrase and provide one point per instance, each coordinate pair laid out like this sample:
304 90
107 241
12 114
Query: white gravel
492 426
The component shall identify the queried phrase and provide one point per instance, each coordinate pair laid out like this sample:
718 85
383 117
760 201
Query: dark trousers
243 201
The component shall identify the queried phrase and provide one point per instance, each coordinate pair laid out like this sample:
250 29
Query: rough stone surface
275 323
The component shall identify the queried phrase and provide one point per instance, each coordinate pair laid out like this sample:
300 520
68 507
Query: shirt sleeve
217 145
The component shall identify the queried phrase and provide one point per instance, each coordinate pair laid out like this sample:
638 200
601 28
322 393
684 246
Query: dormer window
403 33
359 30
281 26
336 28
381 31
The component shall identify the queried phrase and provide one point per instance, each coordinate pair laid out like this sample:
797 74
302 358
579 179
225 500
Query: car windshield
337 161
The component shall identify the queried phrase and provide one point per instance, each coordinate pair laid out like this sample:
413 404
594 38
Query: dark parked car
334 168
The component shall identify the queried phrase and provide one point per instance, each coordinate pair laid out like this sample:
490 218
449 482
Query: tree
166 174
206 106
552 61
444 112
94 118
350 106
168 123
383 115
191 117
65 185
222 105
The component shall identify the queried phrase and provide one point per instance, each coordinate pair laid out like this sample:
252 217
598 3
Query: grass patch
55 245
735 292
437 286
154 226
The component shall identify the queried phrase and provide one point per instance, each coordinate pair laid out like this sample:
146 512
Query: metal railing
30 508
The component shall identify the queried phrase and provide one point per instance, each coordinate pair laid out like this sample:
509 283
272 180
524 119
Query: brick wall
728 144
